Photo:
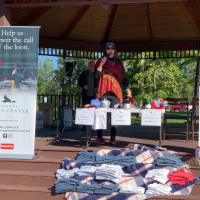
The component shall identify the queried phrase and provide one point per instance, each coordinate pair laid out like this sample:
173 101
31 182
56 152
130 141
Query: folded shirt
159 175
64 172
87 171
109 172
158 189
91 156
66 185
126 161
131 189
172 160
180 177
86 156
106 189
73 185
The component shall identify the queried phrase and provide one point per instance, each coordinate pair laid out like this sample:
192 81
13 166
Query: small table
89 128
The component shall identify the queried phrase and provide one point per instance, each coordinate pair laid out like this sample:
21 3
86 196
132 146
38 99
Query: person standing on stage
111 75
87 81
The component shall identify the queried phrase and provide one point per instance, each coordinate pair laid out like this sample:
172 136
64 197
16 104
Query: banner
18 90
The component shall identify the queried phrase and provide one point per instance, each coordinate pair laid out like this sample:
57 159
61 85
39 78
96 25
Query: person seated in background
111 75
87 81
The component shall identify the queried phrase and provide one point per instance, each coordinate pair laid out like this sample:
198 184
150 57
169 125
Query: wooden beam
74 22
5 15
151 21
34 15
190 13
96 47
78 3
111 23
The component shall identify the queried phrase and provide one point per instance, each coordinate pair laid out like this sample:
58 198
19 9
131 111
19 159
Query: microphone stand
58 85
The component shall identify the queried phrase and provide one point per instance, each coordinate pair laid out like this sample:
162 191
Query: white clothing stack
158 189
159 175
64 172
100 119
109 172
87 171
131 189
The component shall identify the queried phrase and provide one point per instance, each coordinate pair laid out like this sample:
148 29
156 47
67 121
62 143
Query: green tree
164 79
45 76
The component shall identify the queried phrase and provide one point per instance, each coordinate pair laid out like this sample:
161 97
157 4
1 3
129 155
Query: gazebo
142 29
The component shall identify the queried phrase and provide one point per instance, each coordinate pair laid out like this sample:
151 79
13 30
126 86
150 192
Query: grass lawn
135 120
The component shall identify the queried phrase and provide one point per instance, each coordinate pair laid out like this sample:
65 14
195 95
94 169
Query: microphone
107 56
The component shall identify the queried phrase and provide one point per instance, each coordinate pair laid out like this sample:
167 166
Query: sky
54 58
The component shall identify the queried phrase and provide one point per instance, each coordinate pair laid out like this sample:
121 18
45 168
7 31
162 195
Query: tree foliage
167 78
45 76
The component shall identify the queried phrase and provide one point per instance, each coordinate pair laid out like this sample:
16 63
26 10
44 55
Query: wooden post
141 86
196 89
63 90
5 15
154 78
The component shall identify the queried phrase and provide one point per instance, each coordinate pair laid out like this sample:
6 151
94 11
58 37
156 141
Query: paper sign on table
100 119
84 116
121 117
151 117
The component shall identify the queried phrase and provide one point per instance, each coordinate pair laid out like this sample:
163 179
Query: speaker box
68 66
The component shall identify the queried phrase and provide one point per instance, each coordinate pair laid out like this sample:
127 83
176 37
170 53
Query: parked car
178 108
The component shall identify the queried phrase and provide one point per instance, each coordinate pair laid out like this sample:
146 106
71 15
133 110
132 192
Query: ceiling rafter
151 21
75 22
34 15
189 11
111 23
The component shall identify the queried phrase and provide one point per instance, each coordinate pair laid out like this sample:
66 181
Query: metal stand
57 134
160 140
58 85
70 91
161 130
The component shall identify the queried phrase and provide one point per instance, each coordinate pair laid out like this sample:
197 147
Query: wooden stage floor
33 179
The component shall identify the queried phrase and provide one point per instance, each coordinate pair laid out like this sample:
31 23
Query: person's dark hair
115 55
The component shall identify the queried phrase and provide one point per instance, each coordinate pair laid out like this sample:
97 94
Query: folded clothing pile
126 161
91 156
66 185
180 177
158 189
171 160
86 156
64 172
131 189
97 189
109 172
159 175
87 171
72 185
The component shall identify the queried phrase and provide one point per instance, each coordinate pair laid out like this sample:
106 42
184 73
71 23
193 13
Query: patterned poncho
111 79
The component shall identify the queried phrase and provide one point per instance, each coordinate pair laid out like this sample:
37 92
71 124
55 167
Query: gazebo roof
135 25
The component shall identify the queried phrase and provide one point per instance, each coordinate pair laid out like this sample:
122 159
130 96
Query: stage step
46 165
8 192
27 178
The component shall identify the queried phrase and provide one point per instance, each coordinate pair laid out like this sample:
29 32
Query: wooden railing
129 55
76 101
